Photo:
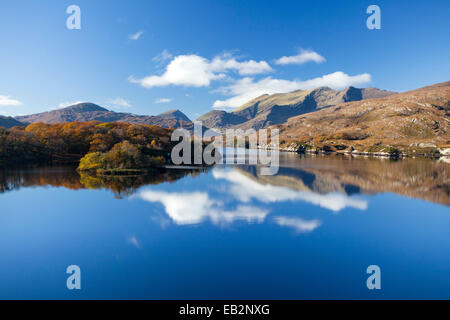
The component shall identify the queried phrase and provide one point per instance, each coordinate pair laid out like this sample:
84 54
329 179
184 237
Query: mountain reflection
329 182
422 178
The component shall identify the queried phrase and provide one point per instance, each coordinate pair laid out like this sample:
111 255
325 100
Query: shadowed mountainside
9 122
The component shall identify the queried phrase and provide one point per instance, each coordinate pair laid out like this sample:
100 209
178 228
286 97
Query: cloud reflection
299 225
246 189
194 207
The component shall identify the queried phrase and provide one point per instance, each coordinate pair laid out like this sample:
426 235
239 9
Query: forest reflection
70 178
417 178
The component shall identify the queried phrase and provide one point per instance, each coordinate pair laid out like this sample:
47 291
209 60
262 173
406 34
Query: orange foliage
40 141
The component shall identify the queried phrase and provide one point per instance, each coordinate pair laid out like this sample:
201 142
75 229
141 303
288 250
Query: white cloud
196 71
247 88
226 62
136 36
298 224
163 56
7 101
246 189
194 207
119 103
163 100
304 56
190 70
134 241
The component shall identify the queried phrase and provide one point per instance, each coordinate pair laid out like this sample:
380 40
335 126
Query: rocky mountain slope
221 119
277 108
413 122
9 122
91 112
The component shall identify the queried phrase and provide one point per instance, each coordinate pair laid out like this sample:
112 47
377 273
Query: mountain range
368 120
260 112
277 108
92 112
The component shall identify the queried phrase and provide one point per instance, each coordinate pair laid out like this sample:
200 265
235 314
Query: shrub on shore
123 156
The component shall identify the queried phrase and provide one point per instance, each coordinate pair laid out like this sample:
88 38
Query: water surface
227 232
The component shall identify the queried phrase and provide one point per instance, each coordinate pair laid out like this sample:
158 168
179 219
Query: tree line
93 144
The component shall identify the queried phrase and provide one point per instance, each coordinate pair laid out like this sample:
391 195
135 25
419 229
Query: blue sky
194 56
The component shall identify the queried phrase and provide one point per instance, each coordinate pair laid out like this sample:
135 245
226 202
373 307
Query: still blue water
309 232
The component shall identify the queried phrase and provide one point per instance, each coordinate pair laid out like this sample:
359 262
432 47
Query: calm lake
227 232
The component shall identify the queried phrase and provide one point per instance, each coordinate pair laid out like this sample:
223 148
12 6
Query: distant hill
91 112
9 122
273 109
411 122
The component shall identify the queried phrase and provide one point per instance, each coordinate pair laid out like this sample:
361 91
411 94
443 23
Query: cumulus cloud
7 101
246 189
136 35
247 88
299 225
302 57
119 103
226 62
194 207
186 70
196 71
163 100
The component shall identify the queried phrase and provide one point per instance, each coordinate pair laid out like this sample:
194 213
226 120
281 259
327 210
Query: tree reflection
69 178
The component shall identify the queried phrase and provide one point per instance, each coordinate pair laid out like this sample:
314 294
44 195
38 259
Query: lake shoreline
300 150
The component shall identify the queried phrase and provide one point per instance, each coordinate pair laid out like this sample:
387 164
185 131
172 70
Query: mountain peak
175 113
371 93
323 88
9 122
85 107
